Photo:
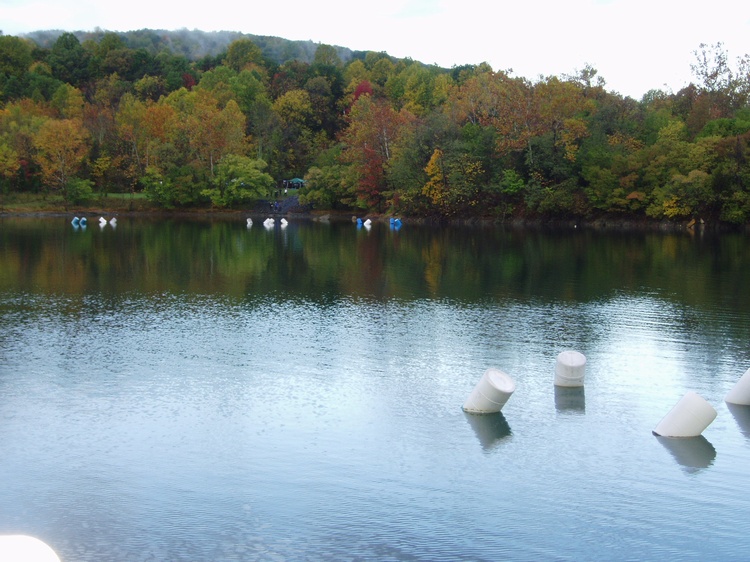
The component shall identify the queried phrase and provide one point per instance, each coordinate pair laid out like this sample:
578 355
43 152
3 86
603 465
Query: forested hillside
217 120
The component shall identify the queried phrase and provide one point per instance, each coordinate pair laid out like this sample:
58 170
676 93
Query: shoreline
609 224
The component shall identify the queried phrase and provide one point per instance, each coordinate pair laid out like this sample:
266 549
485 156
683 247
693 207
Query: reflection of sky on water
179 424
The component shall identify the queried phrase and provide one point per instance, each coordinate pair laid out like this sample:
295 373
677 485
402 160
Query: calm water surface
204 391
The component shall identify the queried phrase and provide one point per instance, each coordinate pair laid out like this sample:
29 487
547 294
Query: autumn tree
369 141
61 148
212 132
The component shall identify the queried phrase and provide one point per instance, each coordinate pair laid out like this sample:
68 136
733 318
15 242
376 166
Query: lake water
200 390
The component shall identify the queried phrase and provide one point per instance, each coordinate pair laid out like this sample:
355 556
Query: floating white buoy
268 223
688 418
82 221
23 548
740 393
491 392
249 222
102 221
367 222
570 368
284 222
76 221
113 221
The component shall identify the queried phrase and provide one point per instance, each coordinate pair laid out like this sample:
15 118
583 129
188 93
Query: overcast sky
636 45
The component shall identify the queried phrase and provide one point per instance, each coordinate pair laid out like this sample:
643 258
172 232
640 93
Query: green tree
243 54
15 56
69 60
239 180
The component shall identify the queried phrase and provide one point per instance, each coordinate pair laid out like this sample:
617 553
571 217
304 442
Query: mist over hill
195 44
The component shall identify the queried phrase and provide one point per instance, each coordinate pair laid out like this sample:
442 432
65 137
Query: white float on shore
570 368
491 393
23 548
688 418
740 393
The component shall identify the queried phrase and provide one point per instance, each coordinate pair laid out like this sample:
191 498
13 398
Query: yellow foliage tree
61 148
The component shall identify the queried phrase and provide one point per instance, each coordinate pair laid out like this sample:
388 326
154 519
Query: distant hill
196 44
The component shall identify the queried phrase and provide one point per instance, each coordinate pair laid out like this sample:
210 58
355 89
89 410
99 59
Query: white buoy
23 548
102 221
284 222
570 368
367 222
113 221
491 392
740 393
688 418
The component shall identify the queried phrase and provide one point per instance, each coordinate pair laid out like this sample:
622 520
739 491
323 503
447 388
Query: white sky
636 45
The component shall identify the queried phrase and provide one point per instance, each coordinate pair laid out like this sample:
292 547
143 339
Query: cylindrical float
740 393
491 392
570 368
688 418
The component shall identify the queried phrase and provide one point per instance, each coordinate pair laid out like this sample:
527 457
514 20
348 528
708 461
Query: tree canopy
367 131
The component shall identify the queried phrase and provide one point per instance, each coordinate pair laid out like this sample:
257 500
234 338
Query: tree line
372 134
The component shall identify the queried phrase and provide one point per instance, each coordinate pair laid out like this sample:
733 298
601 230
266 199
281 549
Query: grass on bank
19 203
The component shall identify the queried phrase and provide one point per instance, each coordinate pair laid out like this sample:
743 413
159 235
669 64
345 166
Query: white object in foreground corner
570 368
740 393
23 548
688 418
491 393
